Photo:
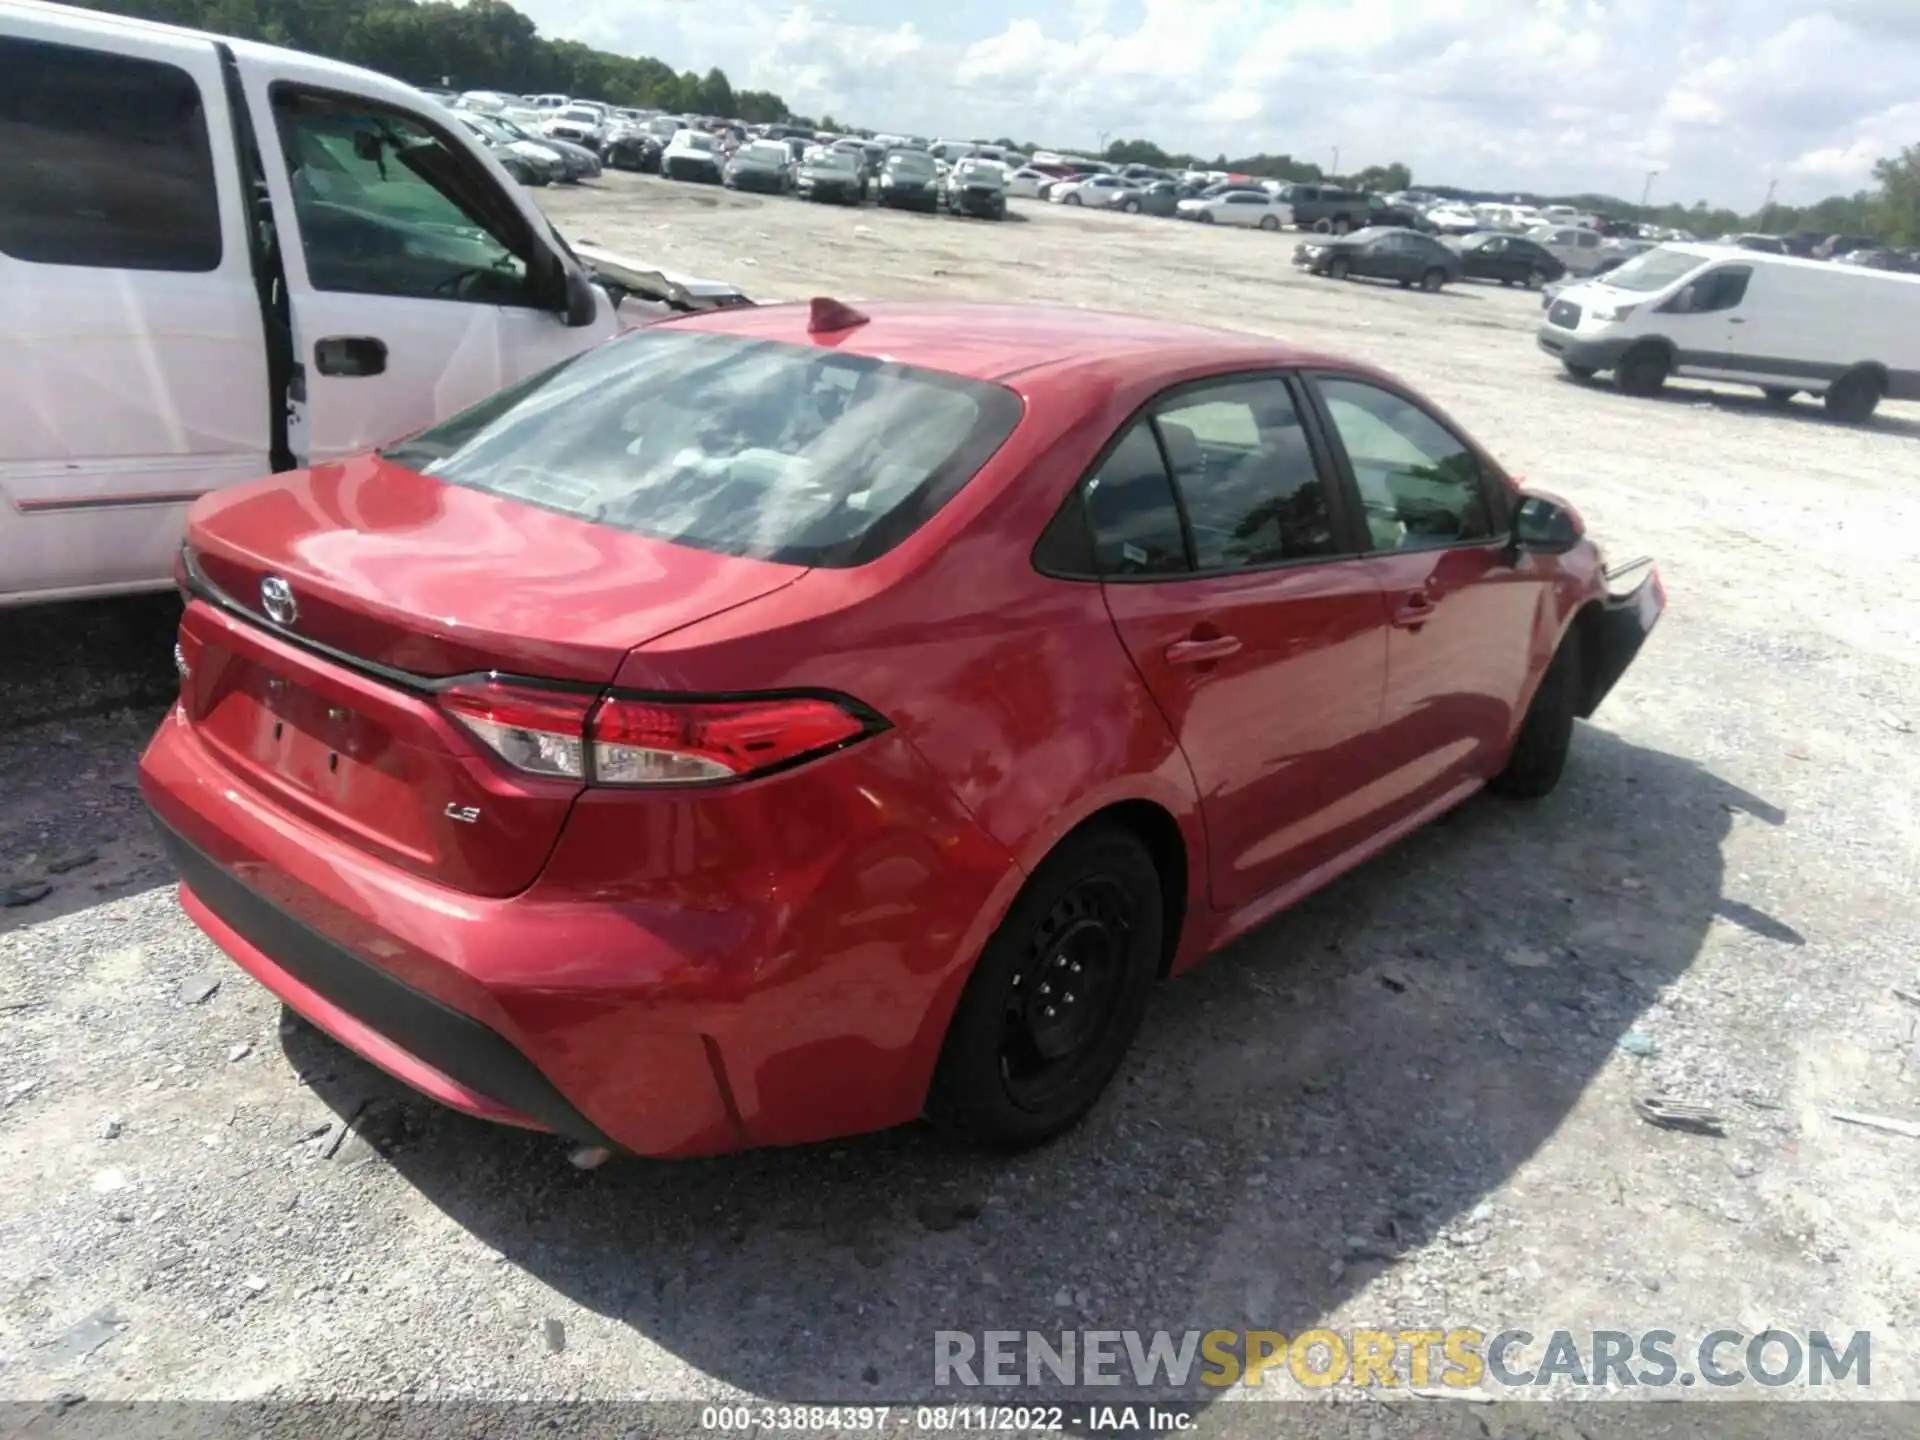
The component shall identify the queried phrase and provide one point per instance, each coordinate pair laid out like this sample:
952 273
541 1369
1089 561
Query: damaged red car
786 722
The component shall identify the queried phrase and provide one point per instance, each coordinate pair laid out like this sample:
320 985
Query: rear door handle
1201 652
1417 610
350 355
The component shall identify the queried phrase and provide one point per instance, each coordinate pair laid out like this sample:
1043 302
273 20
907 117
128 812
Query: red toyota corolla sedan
785 722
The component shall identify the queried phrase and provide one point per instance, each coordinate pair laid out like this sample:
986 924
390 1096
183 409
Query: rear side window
789 453
104 162
1131 509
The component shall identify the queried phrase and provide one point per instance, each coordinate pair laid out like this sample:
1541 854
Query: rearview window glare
756 448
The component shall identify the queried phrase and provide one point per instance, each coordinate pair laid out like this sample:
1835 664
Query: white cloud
1721 96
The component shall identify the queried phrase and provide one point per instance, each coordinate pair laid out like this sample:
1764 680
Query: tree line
489 45
481 45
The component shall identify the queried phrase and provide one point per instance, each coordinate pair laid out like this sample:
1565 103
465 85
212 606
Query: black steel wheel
1057 995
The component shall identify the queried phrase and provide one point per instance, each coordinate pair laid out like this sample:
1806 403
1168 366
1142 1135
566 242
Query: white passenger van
221 259
1717 312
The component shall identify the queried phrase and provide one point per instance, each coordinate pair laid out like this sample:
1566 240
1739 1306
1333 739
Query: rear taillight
539 731
626 742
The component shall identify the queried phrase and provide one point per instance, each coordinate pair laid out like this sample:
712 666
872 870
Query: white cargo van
1716 312
220 259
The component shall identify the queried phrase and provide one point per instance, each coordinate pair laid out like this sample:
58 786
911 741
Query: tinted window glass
1246 474
372 216
1130 506
104 162
1420 487
1722 290
749 447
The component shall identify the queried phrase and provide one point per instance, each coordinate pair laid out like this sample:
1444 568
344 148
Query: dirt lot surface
1405 1104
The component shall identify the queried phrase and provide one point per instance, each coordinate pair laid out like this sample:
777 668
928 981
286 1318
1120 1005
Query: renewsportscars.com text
1459 1358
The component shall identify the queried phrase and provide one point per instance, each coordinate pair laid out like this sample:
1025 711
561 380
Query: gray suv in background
1331 209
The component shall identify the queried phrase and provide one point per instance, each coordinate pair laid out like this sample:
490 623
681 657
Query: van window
1721 289
1654 269
104 162
376 197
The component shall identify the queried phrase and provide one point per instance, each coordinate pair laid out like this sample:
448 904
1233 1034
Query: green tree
1898 210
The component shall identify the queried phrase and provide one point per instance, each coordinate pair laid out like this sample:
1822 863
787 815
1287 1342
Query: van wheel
1057 995
1778 396
1641 372
1539 751
1854 397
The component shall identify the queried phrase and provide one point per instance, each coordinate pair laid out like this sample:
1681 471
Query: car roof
987 341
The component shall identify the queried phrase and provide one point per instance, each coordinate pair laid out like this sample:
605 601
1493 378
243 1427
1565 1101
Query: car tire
1642 372
1854 397
1269 223
1206 217
1536 278
1539 751
1778 396
1011 1074
1323 227
1129 207
1434 281
1579 372
1338 268
1070 200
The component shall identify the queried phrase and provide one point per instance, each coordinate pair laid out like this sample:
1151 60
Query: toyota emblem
276 598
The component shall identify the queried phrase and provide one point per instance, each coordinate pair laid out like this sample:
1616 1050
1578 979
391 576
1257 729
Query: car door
133 362
1385 258
1459 607
1710 323
1488 260
1234 578
409 299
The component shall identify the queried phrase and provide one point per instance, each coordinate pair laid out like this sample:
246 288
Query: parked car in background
1025 183
582 124
1382 254
692 155
1764 244
1330 209
765 166
1574 246
910 180
695 846
1782 324
1615 253
1837 245
1252 209
833 175
977 188
1161 197
1452 219
527 162
634 147
1510 259
1901 262
1095 192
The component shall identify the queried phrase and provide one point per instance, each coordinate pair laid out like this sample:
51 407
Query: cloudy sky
1721 96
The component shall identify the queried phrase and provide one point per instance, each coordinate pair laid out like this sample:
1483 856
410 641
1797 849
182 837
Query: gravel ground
1404 1104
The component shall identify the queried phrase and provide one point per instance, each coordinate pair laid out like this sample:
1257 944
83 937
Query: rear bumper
1625 622
1591 354
438 1050
680 980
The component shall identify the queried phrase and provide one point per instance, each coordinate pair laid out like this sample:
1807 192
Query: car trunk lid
398 582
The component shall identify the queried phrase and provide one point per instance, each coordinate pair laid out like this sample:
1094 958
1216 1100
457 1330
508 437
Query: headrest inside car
1183 448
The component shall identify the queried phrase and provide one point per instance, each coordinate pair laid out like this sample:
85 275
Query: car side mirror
1544 527
583 299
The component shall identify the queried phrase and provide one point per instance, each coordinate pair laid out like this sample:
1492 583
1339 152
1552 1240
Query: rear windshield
757 448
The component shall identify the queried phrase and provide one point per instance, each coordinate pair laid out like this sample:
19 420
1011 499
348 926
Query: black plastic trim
455 1044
